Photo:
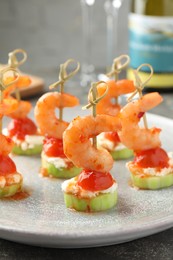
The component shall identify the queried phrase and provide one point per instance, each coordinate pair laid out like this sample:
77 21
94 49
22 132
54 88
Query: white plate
42 219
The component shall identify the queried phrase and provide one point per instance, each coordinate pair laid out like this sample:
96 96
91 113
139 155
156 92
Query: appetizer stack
151 168
10 179
94 189
110 105
54 161
21 129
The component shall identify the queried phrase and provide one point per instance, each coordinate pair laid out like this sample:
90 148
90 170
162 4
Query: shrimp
23 81
77 144
6 145
115 89
23 109
7 106
45 115
131 135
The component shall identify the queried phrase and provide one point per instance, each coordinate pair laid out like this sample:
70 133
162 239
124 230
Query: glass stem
88 68
112 32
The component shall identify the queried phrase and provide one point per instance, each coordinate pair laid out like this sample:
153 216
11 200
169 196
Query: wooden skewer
93 101
118 65
63 77
4 86
14 63
140 86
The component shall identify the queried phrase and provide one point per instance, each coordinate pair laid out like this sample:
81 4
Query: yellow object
157 81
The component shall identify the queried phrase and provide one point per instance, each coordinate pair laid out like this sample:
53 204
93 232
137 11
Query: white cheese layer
10 179
58 162
30 140
108 144
161 172
71 186
2 182
154 172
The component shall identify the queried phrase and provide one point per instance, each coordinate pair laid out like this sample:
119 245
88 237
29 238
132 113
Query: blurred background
51 32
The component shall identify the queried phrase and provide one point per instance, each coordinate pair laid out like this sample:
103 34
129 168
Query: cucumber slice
37 149
63 173
122 154
152 182
99 203
9 191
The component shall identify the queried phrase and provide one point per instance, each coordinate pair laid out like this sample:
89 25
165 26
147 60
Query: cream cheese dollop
30 140
10 179
153 171
58 162
71 186
108 144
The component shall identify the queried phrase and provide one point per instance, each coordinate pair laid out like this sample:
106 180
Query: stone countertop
159 246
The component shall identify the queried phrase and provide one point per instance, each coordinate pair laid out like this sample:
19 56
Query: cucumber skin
122 154
9 191
62 173
99 203
30 151
153 182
